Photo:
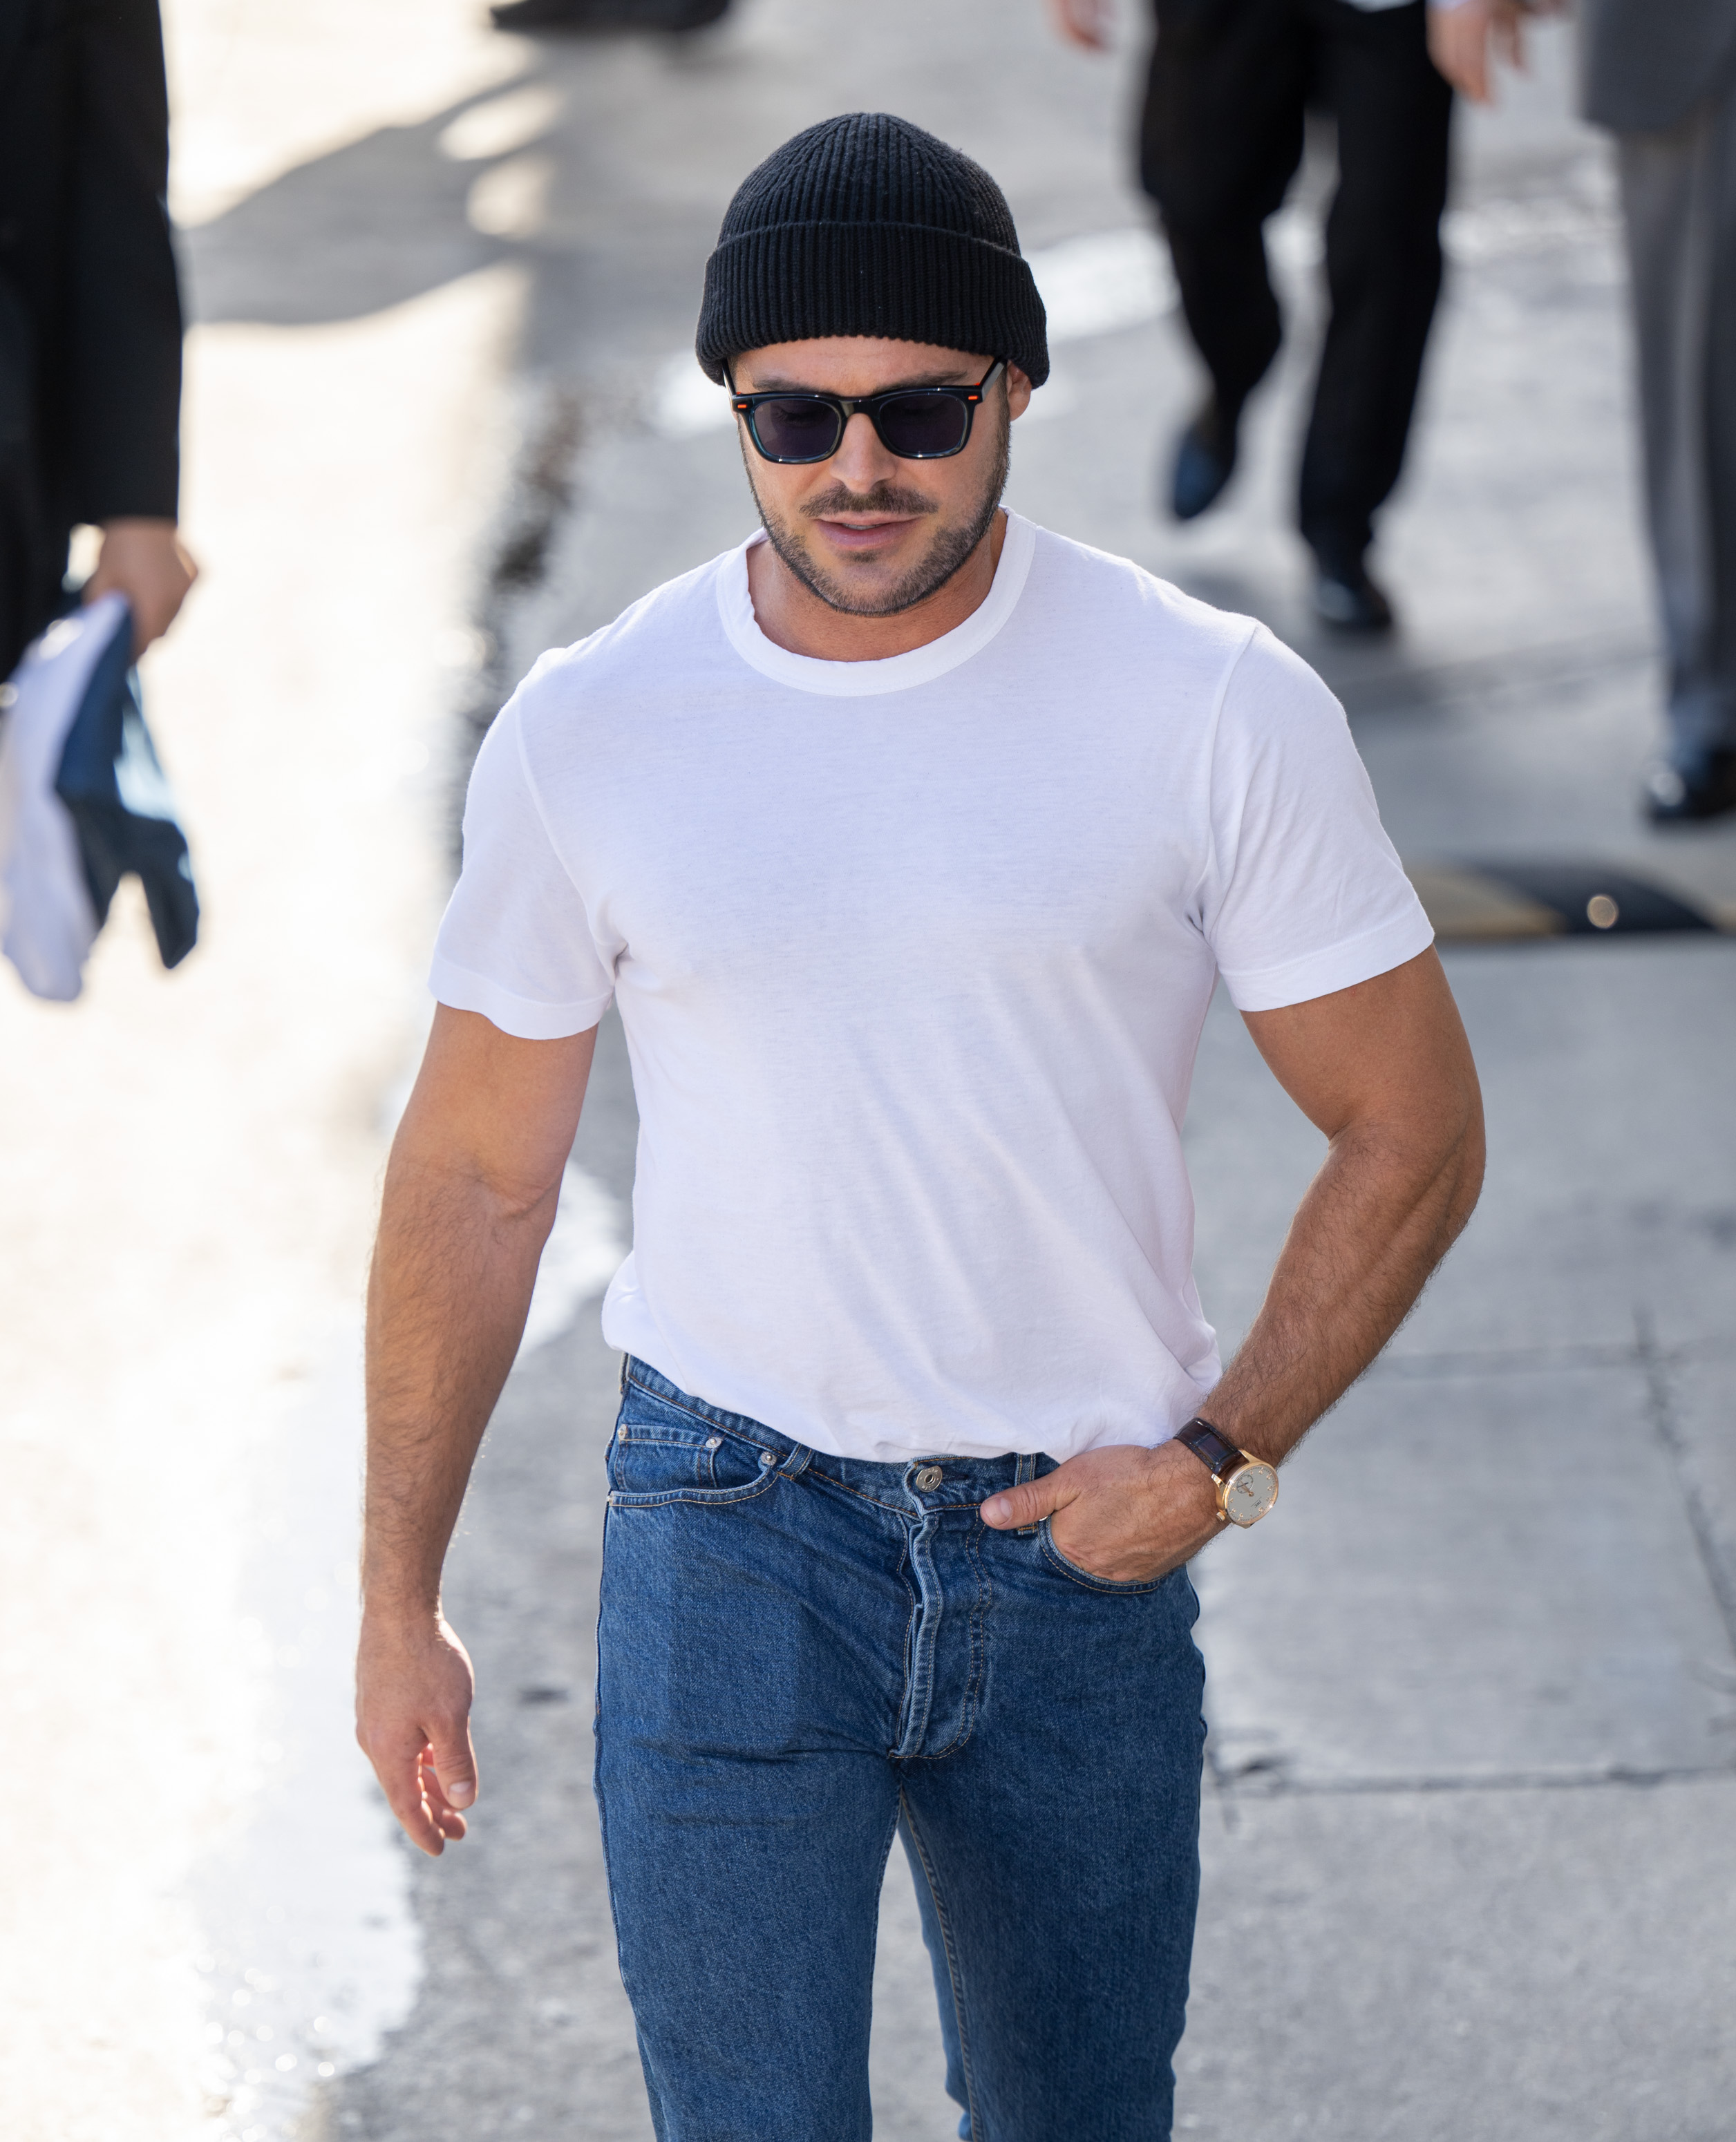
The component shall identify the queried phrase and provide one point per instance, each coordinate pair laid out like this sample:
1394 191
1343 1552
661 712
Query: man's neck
793 617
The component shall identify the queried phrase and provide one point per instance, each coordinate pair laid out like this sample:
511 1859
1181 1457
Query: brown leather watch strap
1210 1446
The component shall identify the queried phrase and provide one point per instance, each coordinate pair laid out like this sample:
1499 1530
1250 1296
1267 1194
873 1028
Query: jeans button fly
930 1477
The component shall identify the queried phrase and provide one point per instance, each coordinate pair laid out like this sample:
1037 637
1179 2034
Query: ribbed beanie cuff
867 225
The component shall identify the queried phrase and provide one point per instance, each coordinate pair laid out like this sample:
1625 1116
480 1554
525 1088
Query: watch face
1249 1492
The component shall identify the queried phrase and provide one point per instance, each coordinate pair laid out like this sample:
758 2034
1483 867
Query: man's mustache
883 498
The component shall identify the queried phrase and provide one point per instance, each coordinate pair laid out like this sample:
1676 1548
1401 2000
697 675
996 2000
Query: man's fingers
453 1759
402 1782
1029 1503
426 1783
441 1812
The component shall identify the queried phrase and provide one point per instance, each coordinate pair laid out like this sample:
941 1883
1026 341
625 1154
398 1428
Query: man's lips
860 532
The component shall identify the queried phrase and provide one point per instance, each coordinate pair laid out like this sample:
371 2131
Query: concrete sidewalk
199 1872
1470 1835
1469 1842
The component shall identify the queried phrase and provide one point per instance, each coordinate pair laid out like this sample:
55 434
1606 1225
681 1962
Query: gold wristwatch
1247 1486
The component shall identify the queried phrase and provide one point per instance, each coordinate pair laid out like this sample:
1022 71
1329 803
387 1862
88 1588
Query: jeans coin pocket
653 1460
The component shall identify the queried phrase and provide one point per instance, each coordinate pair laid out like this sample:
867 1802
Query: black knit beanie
866 225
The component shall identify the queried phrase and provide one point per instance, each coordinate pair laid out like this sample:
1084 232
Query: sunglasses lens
918 426
795 428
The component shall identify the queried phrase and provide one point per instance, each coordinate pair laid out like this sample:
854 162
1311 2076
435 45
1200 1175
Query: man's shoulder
1118 602
656 638
1152 646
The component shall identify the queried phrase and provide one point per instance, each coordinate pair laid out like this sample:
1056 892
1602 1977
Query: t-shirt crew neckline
897 673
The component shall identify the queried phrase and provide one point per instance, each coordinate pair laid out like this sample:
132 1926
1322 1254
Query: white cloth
49 925
912 957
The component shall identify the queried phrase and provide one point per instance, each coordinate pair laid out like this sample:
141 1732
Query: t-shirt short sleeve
515 944
1303 893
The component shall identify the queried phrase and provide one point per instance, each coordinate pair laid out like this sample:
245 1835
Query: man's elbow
1467 1160
456 1185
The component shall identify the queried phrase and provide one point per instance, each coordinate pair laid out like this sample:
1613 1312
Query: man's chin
866 594
881 584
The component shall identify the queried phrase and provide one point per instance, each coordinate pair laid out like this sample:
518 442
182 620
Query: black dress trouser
1220 140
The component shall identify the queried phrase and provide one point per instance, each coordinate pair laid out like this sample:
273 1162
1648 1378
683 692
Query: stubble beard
930 574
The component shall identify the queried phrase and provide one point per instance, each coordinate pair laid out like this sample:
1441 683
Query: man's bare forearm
452 1273
1384 1070
471 1192
1376 1221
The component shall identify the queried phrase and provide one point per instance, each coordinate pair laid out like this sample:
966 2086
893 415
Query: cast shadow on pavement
504 174
366 226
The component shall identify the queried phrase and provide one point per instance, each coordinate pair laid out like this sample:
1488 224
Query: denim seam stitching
920 1680
953 1971
967 1709
644 1438
910 1616
597 1790
624 1498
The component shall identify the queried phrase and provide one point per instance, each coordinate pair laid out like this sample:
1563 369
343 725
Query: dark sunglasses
916 423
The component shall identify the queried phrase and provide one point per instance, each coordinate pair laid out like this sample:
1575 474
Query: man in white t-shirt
909 840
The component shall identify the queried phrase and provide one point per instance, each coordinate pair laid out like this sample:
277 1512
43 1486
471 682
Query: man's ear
1019 391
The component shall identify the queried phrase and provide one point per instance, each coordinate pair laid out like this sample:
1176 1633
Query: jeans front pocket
1058 1561
661 1453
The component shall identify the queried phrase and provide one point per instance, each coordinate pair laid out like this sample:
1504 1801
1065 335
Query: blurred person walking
90 315
1662 80
1221 137
910 840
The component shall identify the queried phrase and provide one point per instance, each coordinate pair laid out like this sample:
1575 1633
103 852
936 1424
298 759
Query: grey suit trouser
1678 194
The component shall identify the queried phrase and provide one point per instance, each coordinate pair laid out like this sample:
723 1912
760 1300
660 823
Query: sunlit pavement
200 1912
1469 1844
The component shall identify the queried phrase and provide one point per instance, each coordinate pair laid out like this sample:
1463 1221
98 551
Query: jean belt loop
797 1462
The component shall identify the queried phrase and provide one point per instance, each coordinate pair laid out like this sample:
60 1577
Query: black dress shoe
582 15
1689 785
1347 599
1205 460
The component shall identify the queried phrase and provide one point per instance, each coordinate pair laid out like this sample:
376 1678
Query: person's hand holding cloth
147 562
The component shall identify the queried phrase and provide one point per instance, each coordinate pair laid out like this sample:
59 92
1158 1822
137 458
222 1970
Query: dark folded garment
112 785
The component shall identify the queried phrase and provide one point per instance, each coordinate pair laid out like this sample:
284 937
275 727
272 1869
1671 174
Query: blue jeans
798 1655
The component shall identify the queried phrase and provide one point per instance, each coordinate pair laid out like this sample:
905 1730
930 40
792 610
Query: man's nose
861 461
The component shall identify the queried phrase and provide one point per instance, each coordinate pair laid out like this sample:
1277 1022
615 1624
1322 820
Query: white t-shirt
912 957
